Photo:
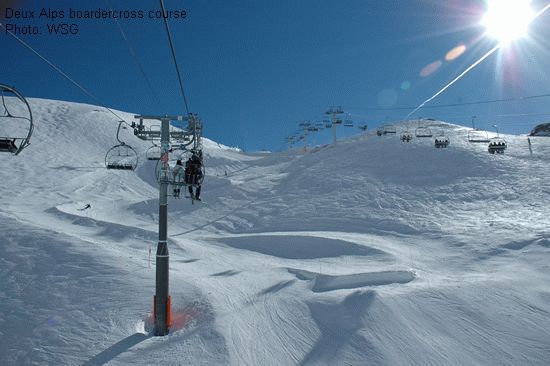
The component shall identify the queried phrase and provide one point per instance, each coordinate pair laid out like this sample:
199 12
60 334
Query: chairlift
335 110
144 133
406 136
348 123
15 130
497 145
182 136
422 132
121 157
337 121
387 129
171 176
153 153
475 135
327 123
363 127
390 129
441 142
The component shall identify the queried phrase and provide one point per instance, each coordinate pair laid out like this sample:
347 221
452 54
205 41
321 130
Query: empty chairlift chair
423 132
390 129
153 153
478 136
15 129
348 122
385 130
121 157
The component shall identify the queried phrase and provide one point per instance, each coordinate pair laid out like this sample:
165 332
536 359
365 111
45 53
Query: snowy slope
372 251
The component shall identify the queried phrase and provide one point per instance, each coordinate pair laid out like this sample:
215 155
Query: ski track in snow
368 252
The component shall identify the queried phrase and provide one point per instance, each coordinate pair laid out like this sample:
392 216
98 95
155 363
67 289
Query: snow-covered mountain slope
372 251
542 129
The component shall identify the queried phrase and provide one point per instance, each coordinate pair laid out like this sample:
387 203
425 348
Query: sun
508 20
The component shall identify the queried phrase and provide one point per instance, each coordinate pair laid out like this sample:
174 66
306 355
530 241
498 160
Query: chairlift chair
348 123
121 157
153 153
406 136
387 129
337 121
8 145
441 142
15 130
144 133
478 136
390 129
497 145
423 132
327 123
178 180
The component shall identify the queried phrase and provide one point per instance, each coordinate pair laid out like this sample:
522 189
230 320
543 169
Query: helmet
195 157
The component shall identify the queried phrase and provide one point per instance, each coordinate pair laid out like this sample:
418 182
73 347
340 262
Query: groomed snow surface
370 252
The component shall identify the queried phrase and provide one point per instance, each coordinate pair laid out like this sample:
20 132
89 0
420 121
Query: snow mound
324 283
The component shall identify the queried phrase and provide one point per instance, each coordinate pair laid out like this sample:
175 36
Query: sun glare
508 20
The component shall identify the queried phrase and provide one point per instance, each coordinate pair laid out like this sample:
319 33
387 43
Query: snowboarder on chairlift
178 174
193 175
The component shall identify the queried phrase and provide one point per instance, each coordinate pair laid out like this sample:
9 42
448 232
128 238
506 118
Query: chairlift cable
169 33
457 104
134 55
60 72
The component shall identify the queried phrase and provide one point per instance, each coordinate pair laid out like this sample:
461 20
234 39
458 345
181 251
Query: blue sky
253 69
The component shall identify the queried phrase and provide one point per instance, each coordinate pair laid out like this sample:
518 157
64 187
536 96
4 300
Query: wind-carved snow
372 251
299 247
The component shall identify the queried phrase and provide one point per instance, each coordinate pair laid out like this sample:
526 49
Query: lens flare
431 68
455 53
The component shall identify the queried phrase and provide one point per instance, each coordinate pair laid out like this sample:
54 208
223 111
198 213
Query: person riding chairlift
193 175
178 172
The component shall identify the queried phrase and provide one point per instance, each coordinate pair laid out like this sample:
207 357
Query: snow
372 251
